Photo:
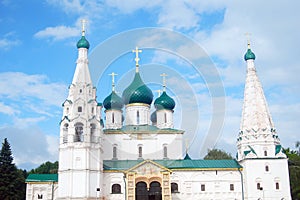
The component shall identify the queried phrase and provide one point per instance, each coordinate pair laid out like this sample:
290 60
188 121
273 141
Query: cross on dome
248 39
164 75
83 26
113 80
137 59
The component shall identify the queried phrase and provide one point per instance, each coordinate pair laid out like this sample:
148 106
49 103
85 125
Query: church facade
138 155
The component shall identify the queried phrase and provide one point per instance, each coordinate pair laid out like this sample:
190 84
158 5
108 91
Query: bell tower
80 160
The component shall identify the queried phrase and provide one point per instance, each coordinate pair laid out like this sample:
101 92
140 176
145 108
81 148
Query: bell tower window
78 132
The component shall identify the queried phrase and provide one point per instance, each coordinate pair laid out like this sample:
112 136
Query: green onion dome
153 117
113 101
249 55
83 43
164 102
137 92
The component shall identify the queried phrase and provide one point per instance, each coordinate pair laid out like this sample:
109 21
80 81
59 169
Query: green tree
12 181
217 154
46 168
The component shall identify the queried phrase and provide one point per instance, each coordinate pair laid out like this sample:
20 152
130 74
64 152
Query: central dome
137 92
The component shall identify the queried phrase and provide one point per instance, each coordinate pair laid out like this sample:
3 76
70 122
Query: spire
137 59
82 73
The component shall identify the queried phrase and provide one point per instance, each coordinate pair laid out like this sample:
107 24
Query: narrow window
65 133
265 153
277 185
231 187
165 116
114 152
140 152
165 151
202 187
40 196
113 118
93 130
174 188
116 189
92 110
137 117
67 111
267 168
80 91
79 109
258 186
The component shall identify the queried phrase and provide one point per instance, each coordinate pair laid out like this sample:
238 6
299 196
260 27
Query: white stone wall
131 117
44 190
164 118
113 119
255 172
152 146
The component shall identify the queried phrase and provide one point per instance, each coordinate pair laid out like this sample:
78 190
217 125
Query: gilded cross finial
113 80
137 59
158 92
248 39
164 81
83 26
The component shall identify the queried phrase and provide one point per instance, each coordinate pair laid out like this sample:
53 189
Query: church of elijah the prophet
154 167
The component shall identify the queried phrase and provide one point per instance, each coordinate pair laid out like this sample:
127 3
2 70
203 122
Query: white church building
138 155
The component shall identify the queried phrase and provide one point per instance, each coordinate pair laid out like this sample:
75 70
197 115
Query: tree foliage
217 154
12 180
294 171
46 168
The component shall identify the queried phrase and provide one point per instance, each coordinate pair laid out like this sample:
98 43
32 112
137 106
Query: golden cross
137 59
248 39
164 81
83 25
158 91
113 80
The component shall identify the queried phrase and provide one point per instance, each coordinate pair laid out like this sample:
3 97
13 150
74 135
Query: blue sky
38 54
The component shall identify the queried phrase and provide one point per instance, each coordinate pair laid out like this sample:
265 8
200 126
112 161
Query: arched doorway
142 192
155 191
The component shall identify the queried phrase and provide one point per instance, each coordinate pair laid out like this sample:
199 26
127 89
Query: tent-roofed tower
80 160
265 167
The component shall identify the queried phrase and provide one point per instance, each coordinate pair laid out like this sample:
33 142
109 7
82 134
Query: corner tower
80 160
265 166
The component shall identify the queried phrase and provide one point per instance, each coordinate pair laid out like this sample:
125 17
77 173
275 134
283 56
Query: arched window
231 187
78 132
140 149
174 188
267 168
165 148
79 109
113 118
137 117
116 189
265 153
277 186
93 131
114 152
65 133
165 117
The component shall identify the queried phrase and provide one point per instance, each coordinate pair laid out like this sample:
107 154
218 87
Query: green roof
143 129
83 43
137 92
164 102
249 55
174 164
42 178
113 101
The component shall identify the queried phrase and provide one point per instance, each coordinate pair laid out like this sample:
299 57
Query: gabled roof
42 178
124 165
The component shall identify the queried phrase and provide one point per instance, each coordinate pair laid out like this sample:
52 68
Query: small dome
113 101
153 117
164 102
137 92
83 43
249 55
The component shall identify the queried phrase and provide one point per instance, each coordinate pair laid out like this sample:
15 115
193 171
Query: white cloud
58 32
9 110
9 40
